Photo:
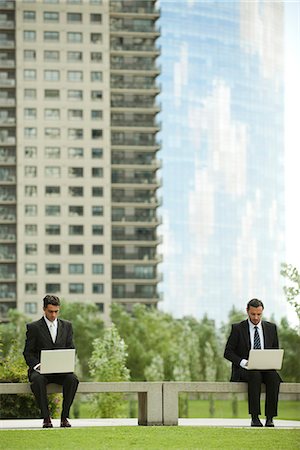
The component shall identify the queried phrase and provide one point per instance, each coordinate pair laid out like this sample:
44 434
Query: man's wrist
244 363
37 367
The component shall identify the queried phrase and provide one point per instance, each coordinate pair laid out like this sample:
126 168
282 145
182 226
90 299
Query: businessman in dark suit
254 333
49 333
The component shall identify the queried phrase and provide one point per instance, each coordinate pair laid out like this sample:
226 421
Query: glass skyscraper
223 155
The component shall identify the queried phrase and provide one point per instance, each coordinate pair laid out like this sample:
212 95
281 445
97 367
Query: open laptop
266 359
58 361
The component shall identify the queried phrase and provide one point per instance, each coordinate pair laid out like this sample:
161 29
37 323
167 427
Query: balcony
7 214
153 221
7 43
6 4
7 292
139 237
141 7
135 122
148 181
153 257
123 277
135 84
143 199
138 25
7 63
136 65
6 121
122 47
154 163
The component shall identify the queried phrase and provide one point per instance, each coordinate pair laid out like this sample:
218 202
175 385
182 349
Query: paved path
36 424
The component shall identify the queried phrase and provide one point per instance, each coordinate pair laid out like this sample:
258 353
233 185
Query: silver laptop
58 361
266 359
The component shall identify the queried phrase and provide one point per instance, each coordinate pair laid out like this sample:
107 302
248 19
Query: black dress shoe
269 422
47 423
64 423
255 422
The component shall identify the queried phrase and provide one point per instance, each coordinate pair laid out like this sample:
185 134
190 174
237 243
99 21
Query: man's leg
70 385
254 380
39 388
272 381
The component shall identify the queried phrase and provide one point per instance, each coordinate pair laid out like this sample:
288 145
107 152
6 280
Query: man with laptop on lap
51 333
254 336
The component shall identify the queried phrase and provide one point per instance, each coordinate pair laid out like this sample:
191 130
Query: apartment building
78 153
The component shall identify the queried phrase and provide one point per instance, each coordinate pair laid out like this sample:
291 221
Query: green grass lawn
287 410
143 438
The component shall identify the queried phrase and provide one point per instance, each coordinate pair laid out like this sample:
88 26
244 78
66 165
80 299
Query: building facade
222 114
78 202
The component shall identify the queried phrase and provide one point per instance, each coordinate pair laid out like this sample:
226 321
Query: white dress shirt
244 362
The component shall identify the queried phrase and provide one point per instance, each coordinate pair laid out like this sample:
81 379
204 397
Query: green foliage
289 340
87 325
292 292
108 363
14 370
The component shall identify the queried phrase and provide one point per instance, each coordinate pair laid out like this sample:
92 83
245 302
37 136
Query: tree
108 363
292 292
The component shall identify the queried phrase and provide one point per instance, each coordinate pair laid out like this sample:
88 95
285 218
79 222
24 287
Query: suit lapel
59 333
45 330
246 334
266 333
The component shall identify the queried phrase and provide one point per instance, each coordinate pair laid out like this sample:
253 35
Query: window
52 249
97 172
96 114
75 75
52 152
52 171
29 74
30 308
97 191
30 113
52 210
30 152
51 36
51 75
51 269
75 172
75 114
51 94
52 230
30 171
52 133
96 76
75 133
30 288
52 191
51 55
31 230
30 249
30 210
75 269
75 249
74 37
51 16
30 268
96 56
52 113
30 132
96 38
97 249
97 230
75 152
97 134
30 191
76 288
96 95
76 191
98 269
97 210
95 2
76 230
75 210
74 17
29 16
75 94
52 288
97 153
96 18
29 36
98 288
74 56
29 55
30 94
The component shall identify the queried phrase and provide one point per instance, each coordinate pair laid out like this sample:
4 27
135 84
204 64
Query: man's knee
71 379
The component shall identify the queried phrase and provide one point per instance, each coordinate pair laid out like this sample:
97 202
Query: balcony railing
150 66
133 47
134 180
135 199
138 85
136 256
137 218
141 7
140 27
135 237
135 123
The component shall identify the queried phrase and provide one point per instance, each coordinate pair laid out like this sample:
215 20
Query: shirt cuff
244 363
37 366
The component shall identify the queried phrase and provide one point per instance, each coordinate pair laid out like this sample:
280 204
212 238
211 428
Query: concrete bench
149 395
172 389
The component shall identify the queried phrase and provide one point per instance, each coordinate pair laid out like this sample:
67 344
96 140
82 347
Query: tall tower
222 114
78 153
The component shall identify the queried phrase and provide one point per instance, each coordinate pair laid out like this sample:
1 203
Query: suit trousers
39 383
255 378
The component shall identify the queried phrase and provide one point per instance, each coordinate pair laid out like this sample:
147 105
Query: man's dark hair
51 300
255 303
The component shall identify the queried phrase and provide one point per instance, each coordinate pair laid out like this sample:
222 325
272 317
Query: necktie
52 332
256 339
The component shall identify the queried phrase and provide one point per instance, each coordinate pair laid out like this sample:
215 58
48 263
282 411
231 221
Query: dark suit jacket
238 344
38 338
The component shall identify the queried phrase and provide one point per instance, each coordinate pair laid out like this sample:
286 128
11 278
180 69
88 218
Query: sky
292 134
